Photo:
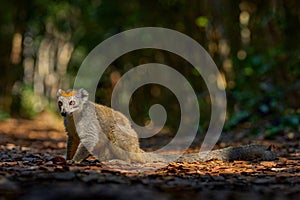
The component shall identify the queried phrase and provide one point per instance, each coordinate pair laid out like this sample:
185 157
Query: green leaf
202 21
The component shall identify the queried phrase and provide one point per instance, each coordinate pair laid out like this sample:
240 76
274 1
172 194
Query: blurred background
255 44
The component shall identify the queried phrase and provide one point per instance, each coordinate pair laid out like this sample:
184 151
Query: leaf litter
32 167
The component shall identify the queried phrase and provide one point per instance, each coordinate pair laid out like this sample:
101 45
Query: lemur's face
70 100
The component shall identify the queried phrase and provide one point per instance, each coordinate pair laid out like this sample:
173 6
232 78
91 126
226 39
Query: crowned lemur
94 128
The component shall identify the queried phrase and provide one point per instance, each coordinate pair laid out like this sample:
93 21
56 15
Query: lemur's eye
60 104
71 103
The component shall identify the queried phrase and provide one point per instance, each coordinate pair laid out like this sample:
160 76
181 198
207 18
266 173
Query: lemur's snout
63 113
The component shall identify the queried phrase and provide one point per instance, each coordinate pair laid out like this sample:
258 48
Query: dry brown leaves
35 168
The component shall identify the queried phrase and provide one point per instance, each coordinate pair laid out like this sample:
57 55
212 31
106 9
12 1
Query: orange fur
65 94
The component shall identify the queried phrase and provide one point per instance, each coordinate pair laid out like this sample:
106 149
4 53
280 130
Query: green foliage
264 84
27 103
288 123
202 21
237 118
4 116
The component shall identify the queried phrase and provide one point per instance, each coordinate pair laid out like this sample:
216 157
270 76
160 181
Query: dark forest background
255 44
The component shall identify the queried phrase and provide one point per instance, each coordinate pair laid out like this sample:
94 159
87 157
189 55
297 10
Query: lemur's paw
70 162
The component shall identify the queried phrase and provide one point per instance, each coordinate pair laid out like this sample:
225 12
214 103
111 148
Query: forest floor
32 166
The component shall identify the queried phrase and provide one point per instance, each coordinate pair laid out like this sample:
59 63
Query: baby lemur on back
108 133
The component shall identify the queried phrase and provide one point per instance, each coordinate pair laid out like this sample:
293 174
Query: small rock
59 160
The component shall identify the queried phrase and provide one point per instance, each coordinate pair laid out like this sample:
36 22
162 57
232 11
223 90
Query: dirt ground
32 166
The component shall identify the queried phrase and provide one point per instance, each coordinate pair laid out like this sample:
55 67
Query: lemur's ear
84 94
59 92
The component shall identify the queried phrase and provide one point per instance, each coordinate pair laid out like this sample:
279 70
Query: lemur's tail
246 152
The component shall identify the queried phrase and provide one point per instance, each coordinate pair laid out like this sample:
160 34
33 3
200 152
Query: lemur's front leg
81 153
72 145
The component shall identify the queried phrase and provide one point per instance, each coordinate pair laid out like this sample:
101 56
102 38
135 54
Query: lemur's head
71 100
